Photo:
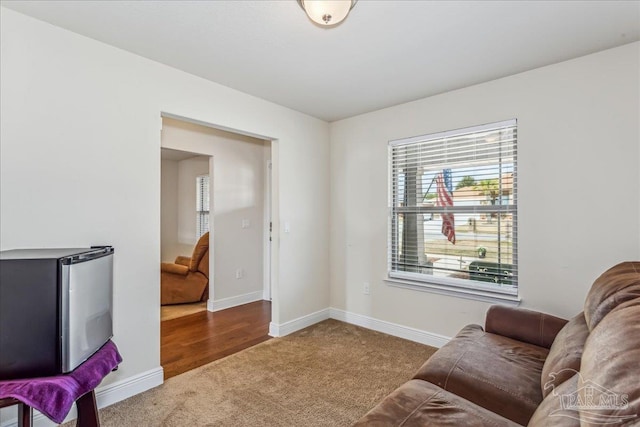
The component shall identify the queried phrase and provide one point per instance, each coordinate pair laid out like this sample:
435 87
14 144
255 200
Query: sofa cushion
616 285
565 354
495 372
553 411
420 403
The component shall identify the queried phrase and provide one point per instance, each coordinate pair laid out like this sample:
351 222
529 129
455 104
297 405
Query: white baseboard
112 393
294 325
105 396
411 334
222 304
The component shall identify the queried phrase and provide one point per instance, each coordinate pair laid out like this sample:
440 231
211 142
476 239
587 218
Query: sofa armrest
525 325
167 267
183 260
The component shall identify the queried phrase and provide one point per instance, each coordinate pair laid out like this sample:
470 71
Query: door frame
268 231
273 194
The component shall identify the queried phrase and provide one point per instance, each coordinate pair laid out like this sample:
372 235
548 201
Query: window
453 213
202 205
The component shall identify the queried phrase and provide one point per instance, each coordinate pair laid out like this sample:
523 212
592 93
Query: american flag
444 200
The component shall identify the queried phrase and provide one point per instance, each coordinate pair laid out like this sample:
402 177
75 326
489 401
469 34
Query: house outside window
202 205
453 210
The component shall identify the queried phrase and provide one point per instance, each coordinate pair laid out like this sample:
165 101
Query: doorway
240 255
184 218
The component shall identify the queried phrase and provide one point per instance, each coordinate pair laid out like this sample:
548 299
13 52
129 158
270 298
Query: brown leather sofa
186 280
529 368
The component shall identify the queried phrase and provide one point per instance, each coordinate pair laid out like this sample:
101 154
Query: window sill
472 294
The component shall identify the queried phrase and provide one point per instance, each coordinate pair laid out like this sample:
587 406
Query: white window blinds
453 208
202 205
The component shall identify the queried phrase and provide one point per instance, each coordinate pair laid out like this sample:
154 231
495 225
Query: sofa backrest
203 266
592 372
615 286
201 251
565 354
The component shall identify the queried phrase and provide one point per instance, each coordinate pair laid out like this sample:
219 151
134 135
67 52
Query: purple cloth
54 396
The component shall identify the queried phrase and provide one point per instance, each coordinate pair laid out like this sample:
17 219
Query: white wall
579 191
178 204
80 165
188 171
238 194
169 210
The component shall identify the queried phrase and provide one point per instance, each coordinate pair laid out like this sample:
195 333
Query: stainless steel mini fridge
55 309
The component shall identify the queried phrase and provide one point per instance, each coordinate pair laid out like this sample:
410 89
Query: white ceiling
385 52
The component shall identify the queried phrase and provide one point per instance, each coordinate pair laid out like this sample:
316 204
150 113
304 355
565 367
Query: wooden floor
197 339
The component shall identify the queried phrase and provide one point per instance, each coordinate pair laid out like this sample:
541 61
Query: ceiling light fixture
327 13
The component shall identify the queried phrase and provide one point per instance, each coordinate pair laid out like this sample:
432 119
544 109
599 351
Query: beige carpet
327 375
168 312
